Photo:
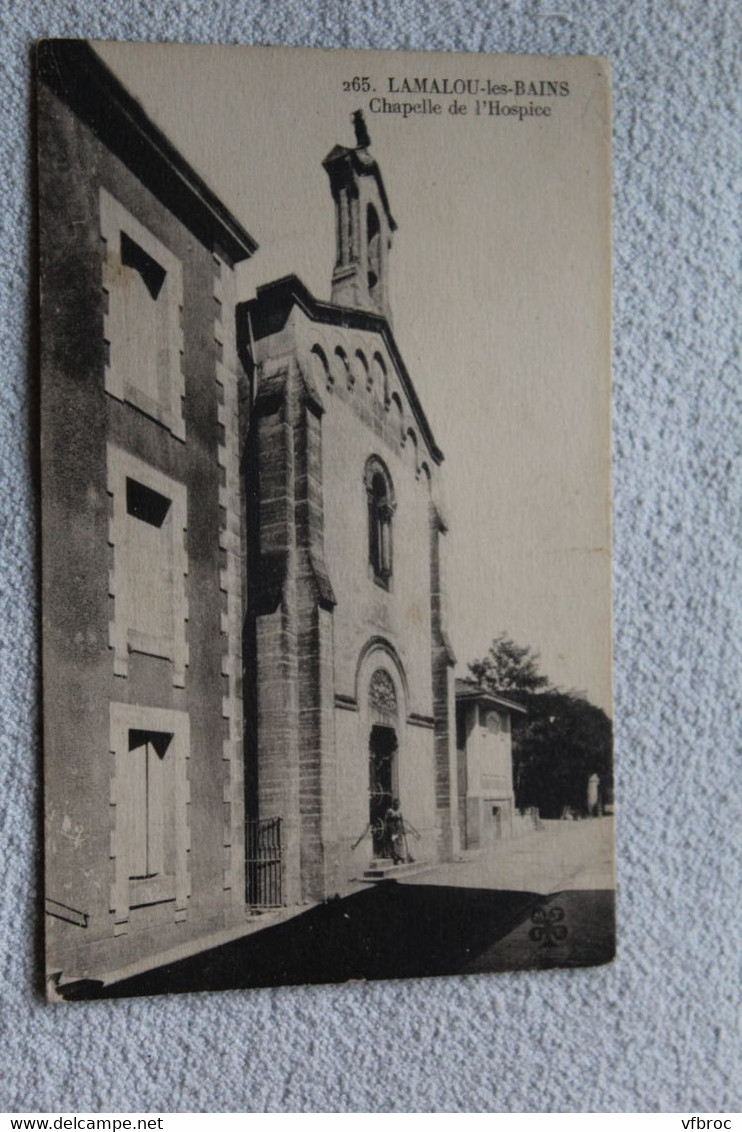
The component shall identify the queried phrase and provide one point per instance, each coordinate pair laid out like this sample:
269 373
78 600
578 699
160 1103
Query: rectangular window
149 539
145 504
149 796
147 532
147 805
143 284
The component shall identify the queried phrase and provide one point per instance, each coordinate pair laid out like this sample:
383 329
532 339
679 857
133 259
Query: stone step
387 870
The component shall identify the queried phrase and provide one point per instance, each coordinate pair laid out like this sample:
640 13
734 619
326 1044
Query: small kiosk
485 765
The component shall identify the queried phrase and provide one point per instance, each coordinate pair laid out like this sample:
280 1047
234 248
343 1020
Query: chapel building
352 691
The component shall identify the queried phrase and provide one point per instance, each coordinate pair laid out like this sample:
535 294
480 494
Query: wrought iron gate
263 863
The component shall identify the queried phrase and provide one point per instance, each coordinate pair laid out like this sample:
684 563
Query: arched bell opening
373 249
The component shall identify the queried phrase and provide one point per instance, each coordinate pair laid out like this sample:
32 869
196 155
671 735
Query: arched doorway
383 746
382 786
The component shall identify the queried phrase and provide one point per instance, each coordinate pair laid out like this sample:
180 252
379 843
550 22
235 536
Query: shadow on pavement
575 928
387 931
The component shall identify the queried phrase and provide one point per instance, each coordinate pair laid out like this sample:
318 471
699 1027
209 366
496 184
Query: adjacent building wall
141 634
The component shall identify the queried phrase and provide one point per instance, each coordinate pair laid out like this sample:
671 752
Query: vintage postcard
325 376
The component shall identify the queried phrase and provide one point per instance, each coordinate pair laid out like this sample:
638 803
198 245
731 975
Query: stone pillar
273 781
315 603
444 705
293 743
231 583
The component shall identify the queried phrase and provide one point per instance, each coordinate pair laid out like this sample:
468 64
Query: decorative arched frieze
395 408
364 371
343 367
409 441
381 379
321 368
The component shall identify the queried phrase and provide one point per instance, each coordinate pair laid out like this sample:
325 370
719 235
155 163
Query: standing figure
396 841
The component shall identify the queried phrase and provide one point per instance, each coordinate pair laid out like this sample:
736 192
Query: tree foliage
559 743
509 668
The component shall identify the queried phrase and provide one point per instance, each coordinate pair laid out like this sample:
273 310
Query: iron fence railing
263 863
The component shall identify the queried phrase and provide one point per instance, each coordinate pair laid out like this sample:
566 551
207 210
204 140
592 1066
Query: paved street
544 900
572 862
562 855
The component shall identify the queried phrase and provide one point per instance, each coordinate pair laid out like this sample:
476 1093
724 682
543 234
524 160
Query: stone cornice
75 73
270 310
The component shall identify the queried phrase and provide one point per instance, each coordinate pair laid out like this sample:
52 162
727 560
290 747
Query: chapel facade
352 690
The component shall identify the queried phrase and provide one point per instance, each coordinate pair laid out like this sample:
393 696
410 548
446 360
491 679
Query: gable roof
269 311
467 691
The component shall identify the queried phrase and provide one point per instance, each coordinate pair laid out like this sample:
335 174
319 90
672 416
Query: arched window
381 505
493 723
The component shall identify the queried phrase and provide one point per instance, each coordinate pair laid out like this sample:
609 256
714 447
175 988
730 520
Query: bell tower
363 225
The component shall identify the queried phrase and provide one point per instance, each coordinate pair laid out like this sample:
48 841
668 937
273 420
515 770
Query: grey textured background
657 1030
